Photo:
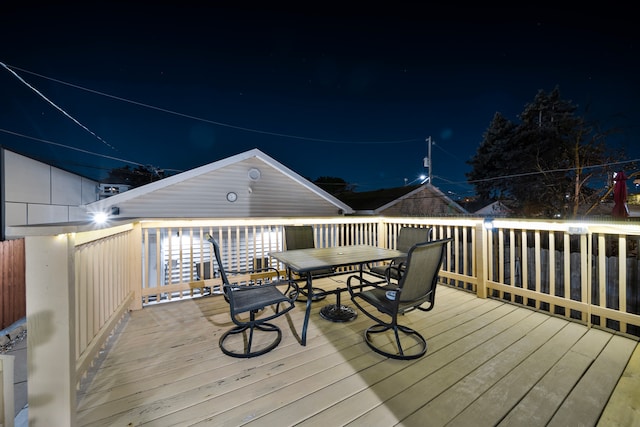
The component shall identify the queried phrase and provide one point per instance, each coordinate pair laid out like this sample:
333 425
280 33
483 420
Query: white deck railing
93 278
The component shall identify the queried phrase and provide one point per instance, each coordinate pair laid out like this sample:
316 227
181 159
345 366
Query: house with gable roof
410 200
495 209
247 185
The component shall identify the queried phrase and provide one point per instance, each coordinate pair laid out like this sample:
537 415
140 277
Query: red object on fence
620 209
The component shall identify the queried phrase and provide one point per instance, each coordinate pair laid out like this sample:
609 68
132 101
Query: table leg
307 311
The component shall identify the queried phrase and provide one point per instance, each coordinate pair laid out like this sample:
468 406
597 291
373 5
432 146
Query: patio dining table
305 261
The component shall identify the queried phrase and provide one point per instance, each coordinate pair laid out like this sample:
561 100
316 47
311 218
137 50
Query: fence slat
13 306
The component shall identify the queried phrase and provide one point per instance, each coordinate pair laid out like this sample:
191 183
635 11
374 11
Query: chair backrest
299 236
410 236
418 283
216 251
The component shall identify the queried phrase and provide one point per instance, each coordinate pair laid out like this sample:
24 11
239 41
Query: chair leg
247 344
397 329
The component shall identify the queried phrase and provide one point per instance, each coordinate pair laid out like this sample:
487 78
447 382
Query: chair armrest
399 269
257 275
366 283
253 270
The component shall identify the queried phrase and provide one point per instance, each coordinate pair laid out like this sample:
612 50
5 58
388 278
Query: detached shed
497 208
247 185
421 200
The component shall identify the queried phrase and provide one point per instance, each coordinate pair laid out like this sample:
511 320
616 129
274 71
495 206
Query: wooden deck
488 363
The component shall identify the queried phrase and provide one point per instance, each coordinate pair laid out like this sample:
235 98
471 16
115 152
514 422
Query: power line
54 105
69 147
227 125
8 67
518 175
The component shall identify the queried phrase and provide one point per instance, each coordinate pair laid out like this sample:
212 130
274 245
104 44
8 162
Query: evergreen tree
333 185
141 175
491 160
541 165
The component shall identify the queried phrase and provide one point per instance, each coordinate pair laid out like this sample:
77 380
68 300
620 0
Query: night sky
349 92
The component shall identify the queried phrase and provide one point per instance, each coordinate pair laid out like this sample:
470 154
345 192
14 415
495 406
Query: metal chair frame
252 298
416 289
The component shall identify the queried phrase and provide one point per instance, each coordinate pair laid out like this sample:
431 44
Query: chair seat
257 297
378 298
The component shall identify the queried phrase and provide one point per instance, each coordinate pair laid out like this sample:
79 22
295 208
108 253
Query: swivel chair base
407 333
248 341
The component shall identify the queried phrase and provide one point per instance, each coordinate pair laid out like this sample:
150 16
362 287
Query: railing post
482 258
382 234
51 355
7 398
135 266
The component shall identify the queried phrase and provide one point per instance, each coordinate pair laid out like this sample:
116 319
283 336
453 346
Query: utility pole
427 160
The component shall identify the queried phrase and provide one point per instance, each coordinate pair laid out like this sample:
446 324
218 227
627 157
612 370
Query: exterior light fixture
488 224
577 229
100 217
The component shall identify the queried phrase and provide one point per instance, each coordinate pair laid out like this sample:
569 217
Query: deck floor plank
199 380
516 371
623 408
445 367
486 358
587 400
402 374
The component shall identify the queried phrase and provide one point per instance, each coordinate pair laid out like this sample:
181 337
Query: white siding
37 193
66 188
26 180
16 213
204 196
89 191
77 214
44 214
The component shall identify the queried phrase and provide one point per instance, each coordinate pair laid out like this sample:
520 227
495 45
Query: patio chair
416 289
248 302
407 237
301 237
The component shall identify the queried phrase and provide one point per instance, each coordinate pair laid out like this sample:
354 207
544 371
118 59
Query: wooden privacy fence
13 305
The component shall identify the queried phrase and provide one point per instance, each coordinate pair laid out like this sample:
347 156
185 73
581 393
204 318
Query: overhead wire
70 147
53 104
519 175
213 122
8 67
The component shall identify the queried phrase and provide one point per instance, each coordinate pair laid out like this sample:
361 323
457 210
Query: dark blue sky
350 92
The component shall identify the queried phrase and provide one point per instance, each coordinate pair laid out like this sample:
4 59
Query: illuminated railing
86 281
565 269
584 271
